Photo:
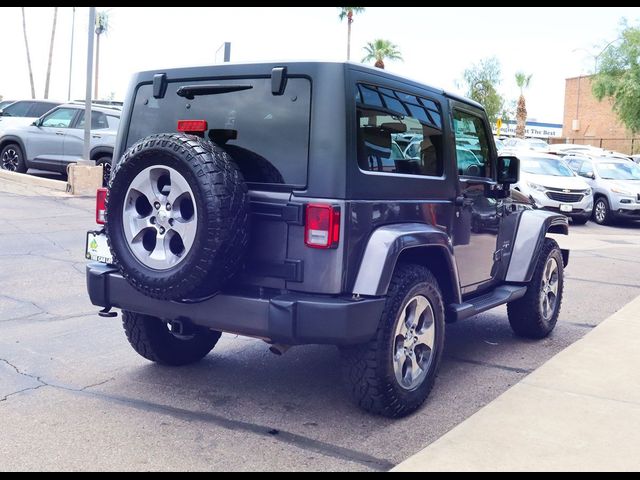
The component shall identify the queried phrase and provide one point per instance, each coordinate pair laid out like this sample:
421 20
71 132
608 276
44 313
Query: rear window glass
267 135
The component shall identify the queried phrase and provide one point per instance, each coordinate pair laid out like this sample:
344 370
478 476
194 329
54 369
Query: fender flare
384 248
533 227
13 139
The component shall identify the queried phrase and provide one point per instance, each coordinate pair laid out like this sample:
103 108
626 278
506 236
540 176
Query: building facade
589 121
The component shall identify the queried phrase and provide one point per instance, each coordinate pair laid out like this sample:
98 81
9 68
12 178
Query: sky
437 44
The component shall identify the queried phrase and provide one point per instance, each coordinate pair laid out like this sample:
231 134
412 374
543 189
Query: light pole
73 26
87 98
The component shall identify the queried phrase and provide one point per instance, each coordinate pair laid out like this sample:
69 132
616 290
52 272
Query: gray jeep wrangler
279 201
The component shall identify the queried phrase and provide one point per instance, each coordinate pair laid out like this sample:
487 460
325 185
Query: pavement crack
41 382
4 399
93 385
490 365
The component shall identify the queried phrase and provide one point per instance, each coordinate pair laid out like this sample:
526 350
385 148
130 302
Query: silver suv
56 139
615 184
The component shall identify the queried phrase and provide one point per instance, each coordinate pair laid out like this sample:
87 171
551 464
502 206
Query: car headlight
588 191
621 191
535 186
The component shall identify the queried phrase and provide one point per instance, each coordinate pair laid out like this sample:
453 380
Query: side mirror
508 170
1 112
37 123
591 175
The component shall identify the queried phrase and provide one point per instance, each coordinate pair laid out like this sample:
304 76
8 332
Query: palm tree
379 50
53 36
26 44
347 12
102 26
522 80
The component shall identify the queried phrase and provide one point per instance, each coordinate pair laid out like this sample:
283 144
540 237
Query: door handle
59 133
96 136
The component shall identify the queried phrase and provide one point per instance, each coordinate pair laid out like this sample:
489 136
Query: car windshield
546 166
618 171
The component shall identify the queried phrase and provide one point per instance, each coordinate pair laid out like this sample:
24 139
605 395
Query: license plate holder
97 248
566 208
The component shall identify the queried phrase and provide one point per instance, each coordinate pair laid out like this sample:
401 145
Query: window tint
40 108
18 109
387 118
98 121
472 145
60 118
267 135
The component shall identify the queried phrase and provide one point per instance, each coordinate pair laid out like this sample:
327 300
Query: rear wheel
394 372
12 158
152 339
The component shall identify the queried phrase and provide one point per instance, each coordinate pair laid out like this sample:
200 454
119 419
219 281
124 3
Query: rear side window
98 121
18 109
267 135
390 118
40 108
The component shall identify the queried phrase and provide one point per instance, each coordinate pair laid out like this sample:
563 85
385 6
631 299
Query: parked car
246 201
536 144
615 184
552 185
23 112
57 139
499 144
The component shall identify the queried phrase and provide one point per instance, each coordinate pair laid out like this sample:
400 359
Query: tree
617 77
522 80
379 50
26 44
482 80
102 27
53 36
348 12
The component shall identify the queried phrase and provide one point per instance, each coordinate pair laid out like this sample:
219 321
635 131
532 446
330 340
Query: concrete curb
26 179
580 411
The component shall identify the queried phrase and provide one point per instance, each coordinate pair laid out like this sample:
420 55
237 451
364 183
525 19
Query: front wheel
394 372
106 169
602 211
535 315
152 339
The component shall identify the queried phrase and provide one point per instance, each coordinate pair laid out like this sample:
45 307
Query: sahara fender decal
385 246
532 229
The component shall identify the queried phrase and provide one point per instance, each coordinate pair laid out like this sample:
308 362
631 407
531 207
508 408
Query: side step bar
499 296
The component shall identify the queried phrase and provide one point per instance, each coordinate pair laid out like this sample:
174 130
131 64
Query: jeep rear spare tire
177 216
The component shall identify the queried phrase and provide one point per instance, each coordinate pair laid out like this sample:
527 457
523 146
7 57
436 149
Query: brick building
588 121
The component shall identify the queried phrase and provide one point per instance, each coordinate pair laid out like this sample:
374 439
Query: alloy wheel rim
549 290
160 217
413 342
601 211
10 160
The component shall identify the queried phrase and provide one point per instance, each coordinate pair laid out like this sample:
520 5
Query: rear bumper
291 318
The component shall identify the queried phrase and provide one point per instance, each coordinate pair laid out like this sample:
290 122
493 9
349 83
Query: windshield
618 171
546 166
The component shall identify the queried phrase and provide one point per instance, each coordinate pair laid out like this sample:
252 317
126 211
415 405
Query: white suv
551 185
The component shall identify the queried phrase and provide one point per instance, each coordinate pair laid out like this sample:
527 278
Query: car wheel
394 372
602 211
106 169
177 216
152 339
535 315
12 158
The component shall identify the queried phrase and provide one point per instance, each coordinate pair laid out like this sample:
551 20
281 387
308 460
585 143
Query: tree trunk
349 22
26 44
379 64
95 90
521 117
53 36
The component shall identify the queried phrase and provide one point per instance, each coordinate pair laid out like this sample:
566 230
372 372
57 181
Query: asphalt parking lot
75 396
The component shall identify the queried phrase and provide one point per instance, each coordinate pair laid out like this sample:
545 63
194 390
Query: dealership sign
532 129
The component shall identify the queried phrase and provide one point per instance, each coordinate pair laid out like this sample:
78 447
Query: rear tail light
101 198
192 126
322 226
